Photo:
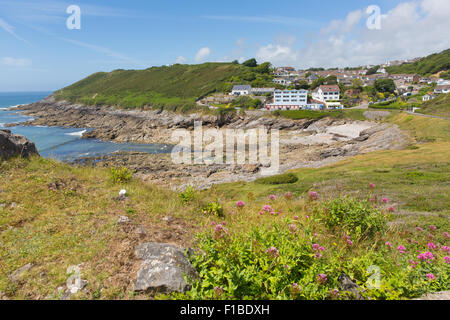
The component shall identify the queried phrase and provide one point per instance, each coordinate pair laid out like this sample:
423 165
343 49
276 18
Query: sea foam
76 134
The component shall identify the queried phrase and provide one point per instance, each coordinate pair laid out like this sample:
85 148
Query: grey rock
163 268
347 285
167 219
140 231
444 295
19 273
15 145
123 220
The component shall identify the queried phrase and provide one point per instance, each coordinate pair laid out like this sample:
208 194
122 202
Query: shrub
358 218
286 178
188 195
213 208
262 264
121 175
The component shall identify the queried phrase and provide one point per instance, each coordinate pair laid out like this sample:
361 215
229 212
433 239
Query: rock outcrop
15 145
163 269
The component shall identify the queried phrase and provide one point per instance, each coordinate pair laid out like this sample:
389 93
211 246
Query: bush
213 208
121 175
188 195
286 178
358 218
254 266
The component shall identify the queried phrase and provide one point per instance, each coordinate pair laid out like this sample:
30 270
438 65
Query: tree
250 63
385 85
303 84
331 80
264 68
357 83
372 70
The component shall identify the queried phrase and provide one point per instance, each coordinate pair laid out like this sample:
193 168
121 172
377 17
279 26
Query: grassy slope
397 172
437 107
425 66
77 223
159 86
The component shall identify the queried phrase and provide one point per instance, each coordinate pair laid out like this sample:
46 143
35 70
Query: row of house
243 90
323 97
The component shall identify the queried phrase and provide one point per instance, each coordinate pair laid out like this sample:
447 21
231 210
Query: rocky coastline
303 143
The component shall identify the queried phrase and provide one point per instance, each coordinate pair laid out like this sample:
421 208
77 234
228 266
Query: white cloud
16 62
9 28
411 29
202 54
181 60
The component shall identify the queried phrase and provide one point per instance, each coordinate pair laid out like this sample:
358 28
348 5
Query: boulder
15 145
163 268
347 285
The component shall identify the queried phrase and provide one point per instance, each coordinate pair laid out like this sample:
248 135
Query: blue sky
38 52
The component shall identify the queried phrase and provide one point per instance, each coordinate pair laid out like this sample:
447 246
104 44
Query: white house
241 90
442 88
282 81
327 93
257 91
289 100
428 97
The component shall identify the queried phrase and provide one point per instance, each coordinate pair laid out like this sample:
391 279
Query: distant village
287 93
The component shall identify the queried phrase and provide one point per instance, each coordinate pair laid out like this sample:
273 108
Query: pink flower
288 195
220 231
446 248
334 293
425 256
315 246
296 288
267 208
307 217
318 256
388 244
240 204
372 186
385 200
218 291
391 209
350 242
419 229
447 259
273 252
446 235
296 218
293 228
372 200
433 228
272 197
261 213
431 246
313 195
431 276
322 278
401 249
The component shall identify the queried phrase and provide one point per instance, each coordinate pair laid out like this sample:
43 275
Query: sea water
64 144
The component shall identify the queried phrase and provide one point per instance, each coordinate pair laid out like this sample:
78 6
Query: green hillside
171 87
425 66
437 107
